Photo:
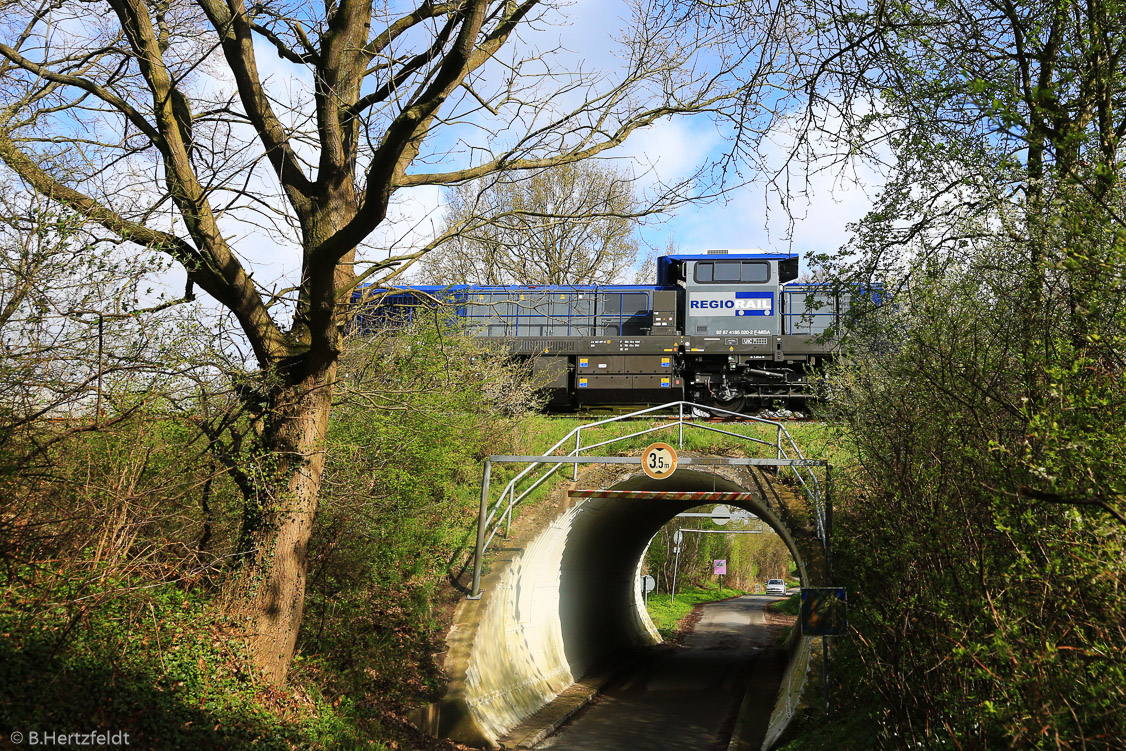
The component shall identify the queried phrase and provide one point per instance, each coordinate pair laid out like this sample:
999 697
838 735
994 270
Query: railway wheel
735 404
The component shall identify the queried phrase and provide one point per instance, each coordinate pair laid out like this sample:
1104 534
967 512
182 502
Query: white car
775 587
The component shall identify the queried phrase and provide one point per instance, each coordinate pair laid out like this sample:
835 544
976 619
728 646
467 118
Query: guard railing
495 515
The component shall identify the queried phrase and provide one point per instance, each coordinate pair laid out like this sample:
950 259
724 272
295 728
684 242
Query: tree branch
107 96
237 42
284 51
409 68
1073 500
405 133
227 282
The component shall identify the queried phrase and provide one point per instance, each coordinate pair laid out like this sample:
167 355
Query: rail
495 515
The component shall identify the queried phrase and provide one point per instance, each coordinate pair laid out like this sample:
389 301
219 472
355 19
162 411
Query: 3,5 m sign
659 461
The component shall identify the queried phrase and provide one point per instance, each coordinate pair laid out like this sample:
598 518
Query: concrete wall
790 693
521 662
564 600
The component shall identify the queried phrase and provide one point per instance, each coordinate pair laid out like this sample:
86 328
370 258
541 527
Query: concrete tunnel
561 599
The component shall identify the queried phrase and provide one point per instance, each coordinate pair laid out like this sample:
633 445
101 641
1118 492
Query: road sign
823 611
659 461
720 566
721 515
648 584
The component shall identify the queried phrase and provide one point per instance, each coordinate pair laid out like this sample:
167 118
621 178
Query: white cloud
804 206
413 218
671 149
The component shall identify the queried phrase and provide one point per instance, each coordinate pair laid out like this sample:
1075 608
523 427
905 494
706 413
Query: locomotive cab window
732 272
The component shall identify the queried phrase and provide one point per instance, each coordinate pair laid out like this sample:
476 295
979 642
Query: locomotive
728 329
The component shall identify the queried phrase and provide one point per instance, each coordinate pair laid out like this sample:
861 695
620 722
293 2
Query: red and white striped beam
662 495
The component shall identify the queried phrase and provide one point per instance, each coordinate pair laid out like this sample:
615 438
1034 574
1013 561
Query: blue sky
752 216
821 204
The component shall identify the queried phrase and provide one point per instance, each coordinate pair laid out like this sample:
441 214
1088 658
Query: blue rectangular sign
731 303
823 611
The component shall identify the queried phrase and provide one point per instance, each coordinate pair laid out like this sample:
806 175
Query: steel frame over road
489 520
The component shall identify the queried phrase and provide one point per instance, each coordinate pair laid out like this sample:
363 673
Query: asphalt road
685 697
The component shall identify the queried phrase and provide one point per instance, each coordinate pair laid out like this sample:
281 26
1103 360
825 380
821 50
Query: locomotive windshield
732 272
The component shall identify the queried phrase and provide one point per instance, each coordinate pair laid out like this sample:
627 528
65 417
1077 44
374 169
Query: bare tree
69 336
179 136
571 224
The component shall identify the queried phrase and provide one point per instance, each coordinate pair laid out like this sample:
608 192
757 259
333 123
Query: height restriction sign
659 461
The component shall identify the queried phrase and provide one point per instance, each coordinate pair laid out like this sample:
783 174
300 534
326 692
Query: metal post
825 668
578 445
829 521
828 565
477 555
680 440
101 367
508 518
675 567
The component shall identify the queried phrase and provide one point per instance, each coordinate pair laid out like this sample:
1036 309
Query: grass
549 430
790 606
155 662
668 616
815 440
842 731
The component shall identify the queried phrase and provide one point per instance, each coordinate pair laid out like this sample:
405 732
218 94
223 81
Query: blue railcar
720 328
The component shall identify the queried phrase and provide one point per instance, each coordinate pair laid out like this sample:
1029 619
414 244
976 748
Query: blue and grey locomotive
722 328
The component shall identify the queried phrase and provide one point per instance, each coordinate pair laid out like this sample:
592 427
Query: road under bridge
689 696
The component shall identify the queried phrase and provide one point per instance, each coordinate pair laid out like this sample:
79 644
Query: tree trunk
277 527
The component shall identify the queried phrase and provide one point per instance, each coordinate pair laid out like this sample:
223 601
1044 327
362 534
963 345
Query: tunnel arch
601 611
560 600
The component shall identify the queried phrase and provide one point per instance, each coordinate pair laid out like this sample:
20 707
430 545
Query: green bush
978 540
150 659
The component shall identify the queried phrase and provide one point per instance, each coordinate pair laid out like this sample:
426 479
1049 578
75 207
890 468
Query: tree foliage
989 609
985 405
751 558
419 407
116 544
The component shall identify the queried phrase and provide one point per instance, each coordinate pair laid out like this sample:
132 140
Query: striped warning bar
663 495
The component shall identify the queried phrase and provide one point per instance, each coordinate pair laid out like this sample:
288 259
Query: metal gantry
787 455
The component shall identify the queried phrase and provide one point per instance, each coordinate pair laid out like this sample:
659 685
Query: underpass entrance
555 602
495 516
